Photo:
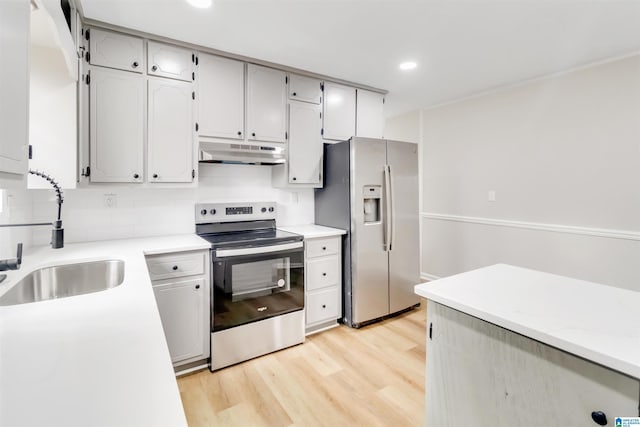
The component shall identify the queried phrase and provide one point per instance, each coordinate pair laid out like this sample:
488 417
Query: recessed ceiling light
200 4
409 65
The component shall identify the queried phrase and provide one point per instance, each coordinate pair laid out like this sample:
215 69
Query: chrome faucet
57 234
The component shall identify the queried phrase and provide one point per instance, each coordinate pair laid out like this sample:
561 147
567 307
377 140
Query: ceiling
461 47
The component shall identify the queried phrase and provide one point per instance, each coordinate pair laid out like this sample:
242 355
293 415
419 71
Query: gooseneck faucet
57 234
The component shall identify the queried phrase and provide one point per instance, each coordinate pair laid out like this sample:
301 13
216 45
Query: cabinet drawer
322 272
169 61
305 89
321 247
116 50
168 266
323 305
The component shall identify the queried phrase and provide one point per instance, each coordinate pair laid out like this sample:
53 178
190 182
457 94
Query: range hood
248 153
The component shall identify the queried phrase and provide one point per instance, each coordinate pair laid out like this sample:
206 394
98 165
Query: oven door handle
224 253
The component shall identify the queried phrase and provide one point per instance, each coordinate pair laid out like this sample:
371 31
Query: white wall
405 127
563 157
151 212
52 118
15 208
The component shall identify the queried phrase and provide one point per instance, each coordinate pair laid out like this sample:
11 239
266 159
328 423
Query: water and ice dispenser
371 202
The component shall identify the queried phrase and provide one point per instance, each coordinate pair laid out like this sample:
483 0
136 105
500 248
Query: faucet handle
19 255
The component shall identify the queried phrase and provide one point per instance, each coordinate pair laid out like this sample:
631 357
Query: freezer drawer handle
223 253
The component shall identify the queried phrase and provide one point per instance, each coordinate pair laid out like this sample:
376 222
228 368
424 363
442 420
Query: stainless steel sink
65 281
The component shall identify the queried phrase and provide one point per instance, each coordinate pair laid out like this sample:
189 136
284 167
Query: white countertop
99 359
597 322
310 231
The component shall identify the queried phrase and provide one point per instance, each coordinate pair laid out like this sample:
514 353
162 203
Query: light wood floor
373 376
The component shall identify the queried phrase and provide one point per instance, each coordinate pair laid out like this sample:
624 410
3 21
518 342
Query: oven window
250 288
259 278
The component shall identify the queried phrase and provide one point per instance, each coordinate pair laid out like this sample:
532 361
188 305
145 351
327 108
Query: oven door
251 284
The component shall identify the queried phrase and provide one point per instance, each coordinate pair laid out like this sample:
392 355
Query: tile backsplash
16 208
114 212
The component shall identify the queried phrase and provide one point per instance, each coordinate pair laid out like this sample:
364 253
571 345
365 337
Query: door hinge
86 35
197 127
88 77
383 100
30 151
193 58
87 56
322 86
320 114
86 172
286 79
322 131
193 173
286 135
193 95
193 75
196 60
430 330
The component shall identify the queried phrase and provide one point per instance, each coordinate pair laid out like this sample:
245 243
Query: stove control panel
234 211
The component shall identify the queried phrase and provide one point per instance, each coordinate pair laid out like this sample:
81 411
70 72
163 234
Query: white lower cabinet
183 297
323 281
479 374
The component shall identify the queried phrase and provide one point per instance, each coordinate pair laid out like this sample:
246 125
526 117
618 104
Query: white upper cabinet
116 125
173 62
170 131
305 143
115 50
266 104
305 89
14 87
220 97
370 114
339 112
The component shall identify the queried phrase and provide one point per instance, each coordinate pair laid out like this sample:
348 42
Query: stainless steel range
257 281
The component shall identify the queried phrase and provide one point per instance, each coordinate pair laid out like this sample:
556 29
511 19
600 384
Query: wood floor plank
373 376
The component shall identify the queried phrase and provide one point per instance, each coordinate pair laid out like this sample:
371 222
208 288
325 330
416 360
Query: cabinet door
220 97
115 50
339 112
305 143
369 114
266 104
174 62
14 86
182 309
170 131
116 125
482 375
305 89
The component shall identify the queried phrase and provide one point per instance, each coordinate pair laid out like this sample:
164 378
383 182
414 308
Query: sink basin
65 281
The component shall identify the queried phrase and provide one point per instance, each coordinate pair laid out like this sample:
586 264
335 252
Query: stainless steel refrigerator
371 190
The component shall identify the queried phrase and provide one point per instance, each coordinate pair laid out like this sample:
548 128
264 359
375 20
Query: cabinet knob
324 306
135 64
239 133
155 175
324 248
154 68
136 176
197 286
599 418
294 94
175 267
253 134
294 178
324 274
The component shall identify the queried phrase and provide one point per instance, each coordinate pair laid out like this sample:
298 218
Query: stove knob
271 209
263 210
213 211
203 212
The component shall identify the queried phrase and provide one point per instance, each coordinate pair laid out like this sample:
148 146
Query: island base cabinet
479 374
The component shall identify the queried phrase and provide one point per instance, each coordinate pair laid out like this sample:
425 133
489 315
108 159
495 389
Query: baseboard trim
555 228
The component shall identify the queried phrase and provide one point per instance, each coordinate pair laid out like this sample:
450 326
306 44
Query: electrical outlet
492 196
110 200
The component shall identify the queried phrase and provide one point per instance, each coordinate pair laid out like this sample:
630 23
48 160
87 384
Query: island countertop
597 322
98 359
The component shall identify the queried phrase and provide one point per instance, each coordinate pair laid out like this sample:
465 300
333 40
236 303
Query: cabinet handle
175 267
155 175
154 68
253 134
324 274
599 418
197 286
136 176
239 133
135 64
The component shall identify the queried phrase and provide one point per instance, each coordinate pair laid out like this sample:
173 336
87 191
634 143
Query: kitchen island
99 359
510 346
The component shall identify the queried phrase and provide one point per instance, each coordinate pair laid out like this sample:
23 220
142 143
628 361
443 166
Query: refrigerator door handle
387 204
392 209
